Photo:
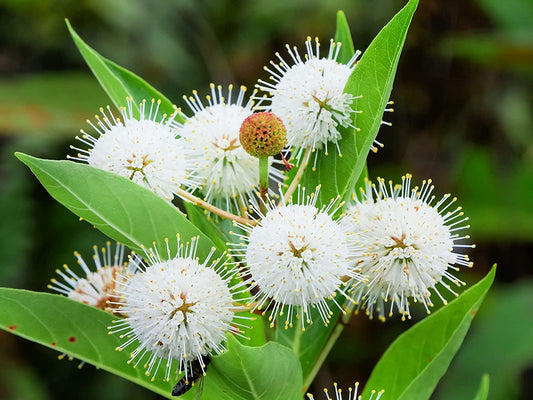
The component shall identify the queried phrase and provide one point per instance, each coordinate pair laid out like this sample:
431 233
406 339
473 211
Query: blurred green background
463 117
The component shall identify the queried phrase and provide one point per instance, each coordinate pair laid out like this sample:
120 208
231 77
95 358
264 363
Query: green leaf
413 364
506 316
73 328
118 82
121 209
483 391
344 36
372 78
269 372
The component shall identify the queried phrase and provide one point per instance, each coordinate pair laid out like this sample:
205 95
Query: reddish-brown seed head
263 134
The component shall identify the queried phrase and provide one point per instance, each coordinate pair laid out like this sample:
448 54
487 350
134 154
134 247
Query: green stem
297 340
322 356
349 309
242 208
263 182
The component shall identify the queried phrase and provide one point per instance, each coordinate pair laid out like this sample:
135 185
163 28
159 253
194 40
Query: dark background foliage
463 117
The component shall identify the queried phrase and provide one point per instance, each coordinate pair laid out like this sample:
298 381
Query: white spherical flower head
410 244
308 96
297 257
144 150
178 309
230 175
351 395
95 287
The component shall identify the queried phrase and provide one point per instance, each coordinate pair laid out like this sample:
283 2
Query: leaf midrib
89 208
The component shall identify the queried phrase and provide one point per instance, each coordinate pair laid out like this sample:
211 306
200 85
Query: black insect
195 371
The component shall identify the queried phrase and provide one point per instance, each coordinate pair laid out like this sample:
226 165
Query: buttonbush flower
229 174
411 243
178 309
144 150
307 94
95 287
352 394
297 257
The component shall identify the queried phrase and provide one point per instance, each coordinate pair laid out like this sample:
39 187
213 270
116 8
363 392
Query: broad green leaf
121 209
372 78
73 328
483 391
269 372
118 82
413 364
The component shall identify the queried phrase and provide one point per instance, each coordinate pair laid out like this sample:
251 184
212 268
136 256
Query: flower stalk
211 208
297 177
263 182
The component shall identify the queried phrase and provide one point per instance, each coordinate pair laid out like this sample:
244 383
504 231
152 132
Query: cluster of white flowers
392 244
164 155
